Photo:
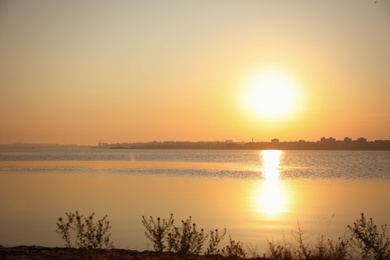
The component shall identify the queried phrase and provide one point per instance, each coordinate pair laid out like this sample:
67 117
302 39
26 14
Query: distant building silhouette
362 140
347 139
323 144
328 140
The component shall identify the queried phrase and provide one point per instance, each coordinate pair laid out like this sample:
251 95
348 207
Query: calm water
256 195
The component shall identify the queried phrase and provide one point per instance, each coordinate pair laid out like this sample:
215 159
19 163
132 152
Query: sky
83 72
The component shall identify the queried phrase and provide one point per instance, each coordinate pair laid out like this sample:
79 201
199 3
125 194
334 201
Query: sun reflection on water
271 195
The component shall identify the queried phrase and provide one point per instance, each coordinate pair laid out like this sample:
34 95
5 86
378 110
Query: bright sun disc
271 94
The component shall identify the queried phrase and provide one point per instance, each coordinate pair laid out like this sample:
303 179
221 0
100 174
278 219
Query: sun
271 94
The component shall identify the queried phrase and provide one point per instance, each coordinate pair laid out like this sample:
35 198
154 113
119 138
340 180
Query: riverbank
61 253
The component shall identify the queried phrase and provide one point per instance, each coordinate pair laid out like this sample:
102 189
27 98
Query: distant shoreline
274 144
322 144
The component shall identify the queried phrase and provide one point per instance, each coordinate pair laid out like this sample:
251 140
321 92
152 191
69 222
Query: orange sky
127 71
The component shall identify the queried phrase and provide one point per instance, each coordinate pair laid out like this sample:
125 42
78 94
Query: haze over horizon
80 72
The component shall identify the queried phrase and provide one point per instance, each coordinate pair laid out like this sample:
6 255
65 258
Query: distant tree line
322 144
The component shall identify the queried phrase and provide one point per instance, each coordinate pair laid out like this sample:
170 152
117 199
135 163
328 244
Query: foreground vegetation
364 240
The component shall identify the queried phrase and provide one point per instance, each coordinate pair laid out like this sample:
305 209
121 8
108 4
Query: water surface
256 195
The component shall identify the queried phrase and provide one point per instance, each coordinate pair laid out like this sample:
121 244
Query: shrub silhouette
186 240
215 239
183 240
372 242
365 239
158 231
88 233
234 249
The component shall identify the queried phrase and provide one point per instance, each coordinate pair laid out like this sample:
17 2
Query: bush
215 239
280 252
88 233
325 249
234 249
157 231
186 240
372 242
366 239
183 240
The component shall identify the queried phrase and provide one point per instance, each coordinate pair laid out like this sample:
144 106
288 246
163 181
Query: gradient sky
127 71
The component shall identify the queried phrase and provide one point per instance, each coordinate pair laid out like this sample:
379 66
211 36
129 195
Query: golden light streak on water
271 196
